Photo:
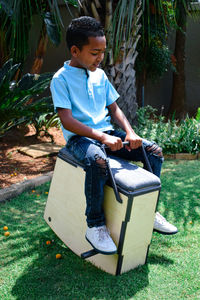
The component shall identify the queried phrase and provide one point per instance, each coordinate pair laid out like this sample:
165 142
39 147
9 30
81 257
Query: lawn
29 268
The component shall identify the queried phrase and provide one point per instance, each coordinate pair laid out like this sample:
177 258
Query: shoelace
161 218
102 233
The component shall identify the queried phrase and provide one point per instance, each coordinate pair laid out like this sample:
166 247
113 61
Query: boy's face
91 55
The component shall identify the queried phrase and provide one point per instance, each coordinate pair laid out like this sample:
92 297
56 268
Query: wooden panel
139 230
134 258
66 206
115 213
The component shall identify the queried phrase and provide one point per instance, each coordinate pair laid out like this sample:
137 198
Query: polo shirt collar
75 70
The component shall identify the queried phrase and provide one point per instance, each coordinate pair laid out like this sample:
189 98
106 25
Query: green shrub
20 100
173 136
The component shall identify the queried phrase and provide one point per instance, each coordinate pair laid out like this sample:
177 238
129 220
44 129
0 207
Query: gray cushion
131 177
128 176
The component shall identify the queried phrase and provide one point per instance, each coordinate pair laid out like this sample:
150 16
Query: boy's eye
97 53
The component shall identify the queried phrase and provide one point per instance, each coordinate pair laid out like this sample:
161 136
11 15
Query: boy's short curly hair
80 29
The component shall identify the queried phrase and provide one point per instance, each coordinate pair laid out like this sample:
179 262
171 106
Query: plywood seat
130 222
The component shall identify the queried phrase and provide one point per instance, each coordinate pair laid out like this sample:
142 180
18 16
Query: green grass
30 271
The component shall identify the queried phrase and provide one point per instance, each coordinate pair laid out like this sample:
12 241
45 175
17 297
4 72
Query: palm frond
16 20
123 25
15 106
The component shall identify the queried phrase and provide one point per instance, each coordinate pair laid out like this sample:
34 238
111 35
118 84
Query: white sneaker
162 226
100 240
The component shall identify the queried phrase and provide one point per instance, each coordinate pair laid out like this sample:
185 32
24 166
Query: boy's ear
75 51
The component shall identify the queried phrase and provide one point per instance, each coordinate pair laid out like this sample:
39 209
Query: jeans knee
155 150
101 164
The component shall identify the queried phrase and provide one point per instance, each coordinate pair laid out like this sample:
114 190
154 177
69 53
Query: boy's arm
120 119
73 125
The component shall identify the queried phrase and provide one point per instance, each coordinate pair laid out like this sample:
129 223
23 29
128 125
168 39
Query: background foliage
172 135
22 101
154 56
16 18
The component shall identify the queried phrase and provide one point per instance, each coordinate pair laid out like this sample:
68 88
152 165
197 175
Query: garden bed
17 167
183 156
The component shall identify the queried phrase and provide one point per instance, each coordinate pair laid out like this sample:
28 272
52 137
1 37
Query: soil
17 167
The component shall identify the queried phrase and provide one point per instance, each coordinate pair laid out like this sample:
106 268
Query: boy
84 98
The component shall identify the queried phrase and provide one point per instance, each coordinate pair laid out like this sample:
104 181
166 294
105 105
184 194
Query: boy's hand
134 141
113 142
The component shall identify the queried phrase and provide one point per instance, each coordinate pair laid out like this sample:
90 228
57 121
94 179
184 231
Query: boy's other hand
113 142
134 141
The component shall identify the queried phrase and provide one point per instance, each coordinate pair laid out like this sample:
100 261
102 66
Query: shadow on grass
154 259
73 278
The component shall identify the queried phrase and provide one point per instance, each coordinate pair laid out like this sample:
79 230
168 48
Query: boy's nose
100 57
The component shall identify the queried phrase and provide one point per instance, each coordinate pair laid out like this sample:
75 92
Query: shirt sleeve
60 94
111 93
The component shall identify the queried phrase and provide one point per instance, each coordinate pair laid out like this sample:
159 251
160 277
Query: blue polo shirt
86 93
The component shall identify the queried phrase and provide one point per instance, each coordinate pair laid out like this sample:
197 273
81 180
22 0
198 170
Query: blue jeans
89 152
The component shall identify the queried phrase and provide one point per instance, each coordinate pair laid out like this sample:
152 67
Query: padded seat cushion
127 176
130 177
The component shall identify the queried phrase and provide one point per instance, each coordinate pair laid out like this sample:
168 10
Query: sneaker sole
100 251
165 233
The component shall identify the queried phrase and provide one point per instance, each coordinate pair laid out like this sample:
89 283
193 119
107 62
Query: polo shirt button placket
90 90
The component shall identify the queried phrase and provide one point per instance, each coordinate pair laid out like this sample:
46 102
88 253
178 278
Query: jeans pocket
71 143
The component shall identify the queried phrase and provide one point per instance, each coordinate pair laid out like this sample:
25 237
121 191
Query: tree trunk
39 54
178 98
40 51
122 76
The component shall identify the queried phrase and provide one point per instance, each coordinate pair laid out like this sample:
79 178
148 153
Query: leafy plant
154 56
172 135
198 114
43 122
15 106
16 20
